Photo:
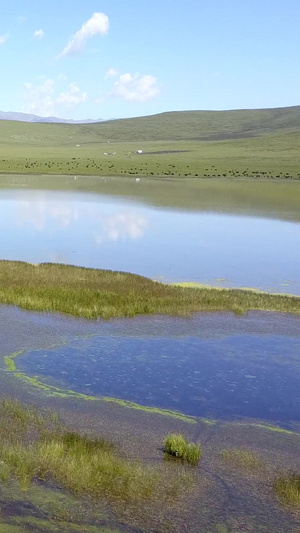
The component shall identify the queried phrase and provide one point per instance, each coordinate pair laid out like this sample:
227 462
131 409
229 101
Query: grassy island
91 293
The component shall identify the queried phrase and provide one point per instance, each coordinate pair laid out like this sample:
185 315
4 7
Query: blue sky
115 58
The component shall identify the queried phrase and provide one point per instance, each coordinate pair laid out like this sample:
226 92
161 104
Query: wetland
231 370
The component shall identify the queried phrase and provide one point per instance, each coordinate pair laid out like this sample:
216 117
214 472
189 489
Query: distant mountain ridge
27 117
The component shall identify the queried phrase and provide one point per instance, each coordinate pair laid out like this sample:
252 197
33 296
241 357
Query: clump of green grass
241 458
287 489
177 446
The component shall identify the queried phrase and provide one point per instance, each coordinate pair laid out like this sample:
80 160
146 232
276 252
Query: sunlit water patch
229 377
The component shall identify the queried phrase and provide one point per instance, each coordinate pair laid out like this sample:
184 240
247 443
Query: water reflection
100 231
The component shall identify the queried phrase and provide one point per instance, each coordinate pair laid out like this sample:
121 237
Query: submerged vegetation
241 458
177 446
91 293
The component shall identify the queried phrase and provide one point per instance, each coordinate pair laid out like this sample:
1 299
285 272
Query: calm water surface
172 244
218 366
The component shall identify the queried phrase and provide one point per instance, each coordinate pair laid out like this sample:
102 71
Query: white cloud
97 25
40 99
39 34
38 212
3 38
61 77
73 97
136 88
121 226
111 73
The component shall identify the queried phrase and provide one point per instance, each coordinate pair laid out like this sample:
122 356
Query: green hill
176 125
248 143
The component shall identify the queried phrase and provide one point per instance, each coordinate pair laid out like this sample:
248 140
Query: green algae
65 393
270 427
277 429
208 421
9 361
199 285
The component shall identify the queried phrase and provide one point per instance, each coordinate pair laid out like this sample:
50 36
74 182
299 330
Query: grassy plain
230 144
91 293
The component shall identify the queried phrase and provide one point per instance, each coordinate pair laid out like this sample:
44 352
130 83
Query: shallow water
171 244
224 234
241 368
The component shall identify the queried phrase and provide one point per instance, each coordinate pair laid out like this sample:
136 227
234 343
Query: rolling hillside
242 143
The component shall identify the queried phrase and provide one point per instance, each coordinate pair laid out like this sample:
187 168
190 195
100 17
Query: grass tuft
177 446
241 458
287 489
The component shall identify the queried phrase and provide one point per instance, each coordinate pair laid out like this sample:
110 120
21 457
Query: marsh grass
92 293
81 468
241 458
287 489
177 446
33 448
16 413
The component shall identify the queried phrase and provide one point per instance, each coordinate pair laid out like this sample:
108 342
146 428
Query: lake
220 245
224 234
